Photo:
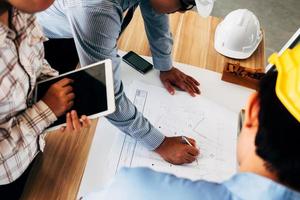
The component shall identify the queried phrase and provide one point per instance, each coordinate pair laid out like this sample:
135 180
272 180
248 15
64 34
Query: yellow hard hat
288 80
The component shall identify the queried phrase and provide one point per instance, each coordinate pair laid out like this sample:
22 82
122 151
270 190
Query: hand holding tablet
88 90
59 97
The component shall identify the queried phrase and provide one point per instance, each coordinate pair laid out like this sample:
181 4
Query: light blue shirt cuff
152 139
163 64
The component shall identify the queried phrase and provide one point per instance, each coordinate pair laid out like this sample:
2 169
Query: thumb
192 141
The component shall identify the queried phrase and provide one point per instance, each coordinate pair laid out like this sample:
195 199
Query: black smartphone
137 62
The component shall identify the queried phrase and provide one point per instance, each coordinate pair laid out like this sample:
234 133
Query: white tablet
93 87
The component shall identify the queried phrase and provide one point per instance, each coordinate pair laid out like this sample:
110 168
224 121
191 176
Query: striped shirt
21 122
95 26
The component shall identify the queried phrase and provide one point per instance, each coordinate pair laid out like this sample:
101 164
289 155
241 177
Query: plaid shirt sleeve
22 129
47 71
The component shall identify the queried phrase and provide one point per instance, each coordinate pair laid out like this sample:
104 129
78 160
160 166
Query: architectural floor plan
213 127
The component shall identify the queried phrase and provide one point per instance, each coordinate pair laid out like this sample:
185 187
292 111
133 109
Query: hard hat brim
235 54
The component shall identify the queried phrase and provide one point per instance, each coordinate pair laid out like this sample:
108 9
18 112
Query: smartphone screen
137 62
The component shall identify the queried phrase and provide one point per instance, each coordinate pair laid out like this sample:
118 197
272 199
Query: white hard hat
204 7
238 35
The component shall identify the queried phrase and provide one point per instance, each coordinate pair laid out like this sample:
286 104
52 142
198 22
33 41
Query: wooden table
57 173
193 42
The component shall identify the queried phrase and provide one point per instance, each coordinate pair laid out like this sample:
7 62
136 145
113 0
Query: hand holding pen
176 151
189 143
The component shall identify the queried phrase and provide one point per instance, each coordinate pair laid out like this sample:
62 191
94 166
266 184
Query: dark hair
4 6
278 138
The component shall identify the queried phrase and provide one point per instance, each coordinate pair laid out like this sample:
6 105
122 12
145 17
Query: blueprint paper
213 127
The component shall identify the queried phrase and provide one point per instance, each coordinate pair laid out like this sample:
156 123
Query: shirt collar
20 23
3 33
252 186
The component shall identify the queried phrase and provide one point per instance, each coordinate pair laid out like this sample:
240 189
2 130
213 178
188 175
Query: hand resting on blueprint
175 77
177 152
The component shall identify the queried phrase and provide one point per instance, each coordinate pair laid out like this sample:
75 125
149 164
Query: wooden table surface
57 173
193 42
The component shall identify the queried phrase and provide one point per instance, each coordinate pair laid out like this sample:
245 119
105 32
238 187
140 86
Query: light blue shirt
146 184
95 26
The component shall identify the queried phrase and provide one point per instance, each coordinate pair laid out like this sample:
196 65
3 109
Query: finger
70 96
86 122
65 82
181 84
186 87
194 80
169 87
192 141
192 150
75 120
69 122
192 84
68 89
62 129
190 158
70 105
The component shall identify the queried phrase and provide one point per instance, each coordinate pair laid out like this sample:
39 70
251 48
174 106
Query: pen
187 141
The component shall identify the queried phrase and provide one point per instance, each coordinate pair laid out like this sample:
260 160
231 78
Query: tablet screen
89 87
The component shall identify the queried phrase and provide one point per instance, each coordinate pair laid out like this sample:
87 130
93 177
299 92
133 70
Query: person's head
29 6
171 6
272 133
203 7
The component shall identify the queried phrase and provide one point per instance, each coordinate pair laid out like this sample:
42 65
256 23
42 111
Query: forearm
159 36
22 129
130 121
